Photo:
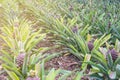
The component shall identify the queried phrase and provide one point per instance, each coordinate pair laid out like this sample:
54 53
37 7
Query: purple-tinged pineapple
75 29
71 8
90 45
20 59
113 53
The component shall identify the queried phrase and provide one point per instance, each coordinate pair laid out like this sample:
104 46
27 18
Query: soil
66 61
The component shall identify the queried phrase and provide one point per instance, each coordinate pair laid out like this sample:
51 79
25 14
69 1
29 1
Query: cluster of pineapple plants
21 59
87 29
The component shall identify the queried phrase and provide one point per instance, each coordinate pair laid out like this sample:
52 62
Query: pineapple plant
107 65
19 54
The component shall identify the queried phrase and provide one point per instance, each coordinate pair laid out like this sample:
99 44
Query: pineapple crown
32 75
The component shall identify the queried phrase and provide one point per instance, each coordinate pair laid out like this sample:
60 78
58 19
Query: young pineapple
90 45
75 29
113 53
20 59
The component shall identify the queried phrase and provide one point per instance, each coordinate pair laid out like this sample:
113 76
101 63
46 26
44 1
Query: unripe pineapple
90 45
20 59
71 8
113 53
33 78
75 29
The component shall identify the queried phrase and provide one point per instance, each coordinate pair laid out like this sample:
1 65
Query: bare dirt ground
65 61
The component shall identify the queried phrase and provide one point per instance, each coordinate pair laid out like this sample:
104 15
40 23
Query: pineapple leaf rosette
107 65
21 56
